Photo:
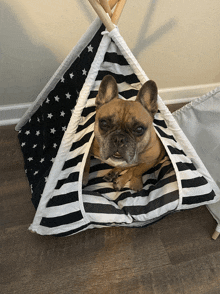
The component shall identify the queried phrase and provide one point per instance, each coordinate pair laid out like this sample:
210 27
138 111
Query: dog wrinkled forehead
118 111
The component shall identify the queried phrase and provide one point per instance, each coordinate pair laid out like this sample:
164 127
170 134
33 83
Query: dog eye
139 131
103 124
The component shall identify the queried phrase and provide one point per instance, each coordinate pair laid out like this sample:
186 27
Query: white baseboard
11 114
185 94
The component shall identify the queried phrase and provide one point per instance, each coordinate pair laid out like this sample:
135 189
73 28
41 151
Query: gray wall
176 42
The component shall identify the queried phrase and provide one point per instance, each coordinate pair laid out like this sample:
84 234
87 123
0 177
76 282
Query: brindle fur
138 153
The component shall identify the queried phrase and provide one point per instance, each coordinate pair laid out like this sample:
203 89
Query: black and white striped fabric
56 135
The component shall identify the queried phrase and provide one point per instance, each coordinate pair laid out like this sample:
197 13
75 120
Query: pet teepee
57 131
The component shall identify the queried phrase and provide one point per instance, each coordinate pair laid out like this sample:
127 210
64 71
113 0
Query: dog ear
108 90
147 96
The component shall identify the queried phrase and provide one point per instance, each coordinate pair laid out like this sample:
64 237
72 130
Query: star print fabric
41 136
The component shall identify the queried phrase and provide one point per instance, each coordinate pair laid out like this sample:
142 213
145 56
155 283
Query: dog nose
120 140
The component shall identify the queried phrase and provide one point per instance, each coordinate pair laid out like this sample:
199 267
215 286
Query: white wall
176 42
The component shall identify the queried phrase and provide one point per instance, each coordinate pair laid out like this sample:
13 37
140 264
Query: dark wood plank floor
175 255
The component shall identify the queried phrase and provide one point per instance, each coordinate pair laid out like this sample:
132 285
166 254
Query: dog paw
136 184
111 176
120 182
117 184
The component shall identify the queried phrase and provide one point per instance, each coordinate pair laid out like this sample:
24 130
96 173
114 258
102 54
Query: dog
124 136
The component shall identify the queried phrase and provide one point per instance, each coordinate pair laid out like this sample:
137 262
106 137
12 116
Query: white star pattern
57 98
68 95
90 48
52 131
41 138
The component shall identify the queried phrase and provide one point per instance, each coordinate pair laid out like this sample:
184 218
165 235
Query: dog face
123 128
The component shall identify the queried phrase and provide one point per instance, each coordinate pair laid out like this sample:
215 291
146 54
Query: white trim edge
11 114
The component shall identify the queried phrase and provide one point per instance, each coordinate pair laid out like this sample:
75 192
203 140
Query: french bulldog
124 136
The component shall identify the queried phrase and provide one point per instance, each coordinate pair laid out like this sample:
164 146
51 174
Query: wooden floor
175 255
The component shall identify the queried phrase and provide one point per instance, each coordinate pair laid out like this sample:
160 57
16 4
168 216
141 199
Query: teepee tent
57 131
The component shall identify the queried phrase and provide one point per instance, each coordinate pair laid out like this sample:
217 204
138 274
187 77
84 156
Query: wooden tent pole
215 235
106 6
103 6
102 15
118 11
112 3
